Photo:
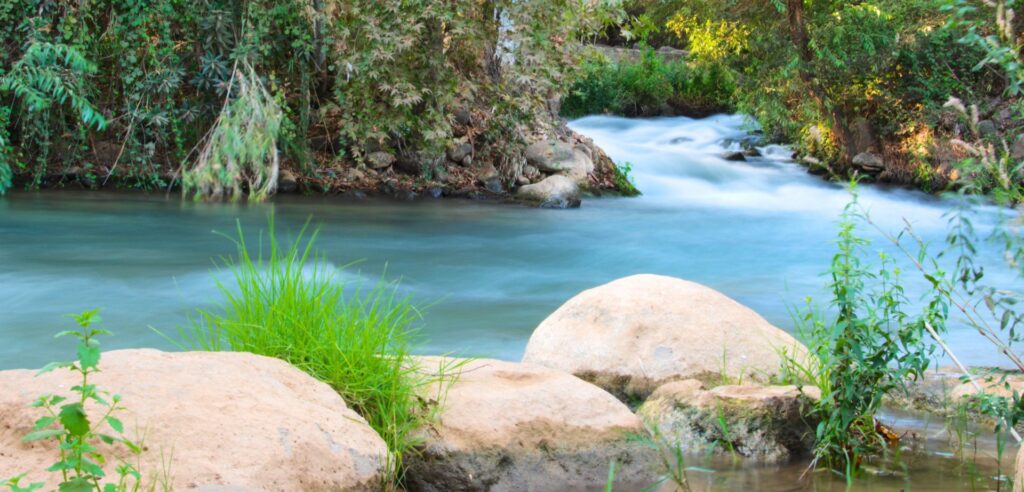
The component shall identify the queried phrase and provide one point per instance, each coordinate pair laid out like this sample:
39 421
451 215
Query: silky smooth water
760 231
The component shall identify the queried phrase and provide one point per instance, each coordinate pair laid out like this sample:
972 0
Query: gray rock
379 160
1017 148
463 117
669 53
552 192
490 178
869 162
459 153
767 423
987 128
554 156
548 155
735 156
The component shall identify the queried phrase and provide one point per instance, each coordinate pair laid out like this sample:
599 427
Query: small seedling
77 433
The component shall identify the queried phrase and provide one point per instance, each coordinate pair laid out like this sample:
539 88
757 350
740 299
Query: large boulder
555 156
225 421
761 422
509 426
552 192
1018 475
635 334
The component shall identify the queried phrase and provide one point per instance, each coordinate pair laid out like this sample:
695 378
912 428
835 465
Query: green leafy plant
45 75
240 155
289 303
78 433
863 348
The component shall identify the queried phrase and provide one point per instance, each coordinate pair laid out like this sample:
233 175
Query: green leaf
43 434
73 418
89 354
53 365
115 424
44 422
80 484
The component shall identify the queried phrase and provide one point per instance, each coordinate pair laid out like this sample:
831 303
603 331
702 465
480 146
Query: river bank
457 173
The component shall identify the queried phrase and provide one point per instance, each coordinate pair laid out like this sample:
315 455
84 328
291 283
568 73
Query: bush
289 304
864 347
650 86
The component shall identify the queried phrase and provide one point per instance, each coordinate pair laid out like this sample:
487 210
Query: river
761 231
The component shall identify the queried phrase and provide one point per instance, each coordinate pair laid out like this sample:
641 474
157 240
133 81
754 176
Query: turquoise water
759 231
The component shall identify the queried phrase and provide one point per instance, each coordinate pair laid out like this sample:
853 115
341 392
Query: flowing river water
761 231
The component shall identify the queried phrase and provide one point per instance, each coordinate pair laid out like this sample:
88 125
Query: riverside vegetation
857 87
227 98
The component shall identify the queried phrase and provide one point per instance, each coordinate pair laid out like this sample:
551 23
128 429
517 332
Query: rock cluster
552 422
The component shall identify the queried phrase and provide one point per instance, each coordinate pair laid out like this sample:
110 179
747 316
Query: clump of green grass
288 303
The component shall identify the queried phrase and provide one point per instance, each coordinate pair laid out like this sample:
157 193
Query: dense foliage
649 86
348 78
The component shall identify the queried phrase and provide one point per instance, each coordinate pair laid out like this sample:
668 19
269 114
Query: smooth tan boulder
552 192
506 426
1018 475
634 334
225 421
767 423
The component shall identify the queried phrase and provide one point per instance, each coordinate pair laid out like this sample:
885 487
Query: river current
760 231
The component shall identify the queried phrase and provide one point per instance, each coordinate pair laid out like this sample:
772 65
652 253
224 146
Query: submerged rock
552 192
735 156
943 391
635 334
224 421
510 426
760 422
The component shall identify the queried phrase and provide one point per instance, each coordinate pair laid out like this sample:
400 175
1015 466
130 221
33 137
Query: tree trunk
798 35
